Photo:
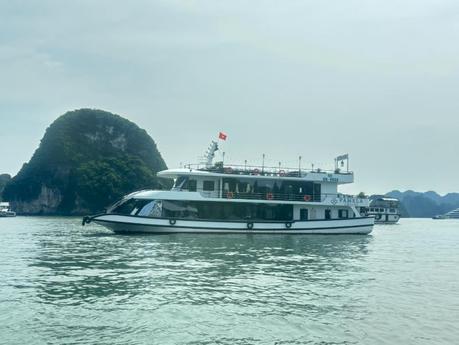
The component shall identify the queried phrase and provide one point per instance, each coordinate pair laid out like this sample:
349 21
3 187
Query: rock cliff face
87 160
4 179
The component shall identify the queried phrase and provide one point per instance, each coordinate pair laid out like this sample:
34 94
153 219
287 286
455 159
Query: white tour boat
454 214
218 198
5 210
385 210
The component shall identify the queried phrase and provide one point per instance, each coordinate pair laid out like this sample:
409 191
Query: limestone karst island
87 159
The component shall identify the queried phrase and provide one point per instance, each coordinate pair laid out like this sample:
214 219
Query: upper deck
385 202
261 172
264 183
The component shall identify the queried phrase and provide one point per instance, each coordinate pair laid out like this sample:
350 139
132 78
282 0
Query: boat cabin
258 183
234 193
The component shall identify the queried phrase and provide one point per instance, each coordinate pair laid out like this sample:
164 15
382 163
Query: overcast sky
376 79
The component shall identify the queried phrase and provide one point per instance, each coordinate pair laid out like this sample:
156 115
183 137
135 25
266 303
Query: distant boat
5 210
385 210
454 214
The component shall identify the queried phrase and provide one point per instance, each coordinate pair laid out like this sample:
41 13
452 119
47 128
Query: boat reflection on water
191 268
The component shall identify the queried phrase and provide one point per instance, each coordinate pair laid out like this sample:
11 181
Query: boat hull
135 224
8 214
389 222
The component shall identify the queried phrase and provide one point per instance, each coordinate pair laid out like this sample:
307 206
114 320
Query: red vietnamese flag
222 136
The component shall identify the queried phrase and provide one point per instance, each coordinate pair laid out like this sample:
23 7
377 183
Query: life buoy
307 198
250 225
281 173
228 170
172 221
229 195
256 172
269 196
288 225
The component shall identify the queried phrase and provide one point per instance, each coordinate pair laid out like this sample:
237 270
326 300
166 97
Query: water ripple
61 283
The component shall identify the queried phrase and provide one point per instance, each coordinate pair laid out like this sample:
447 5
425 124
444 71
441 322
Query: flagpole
299 166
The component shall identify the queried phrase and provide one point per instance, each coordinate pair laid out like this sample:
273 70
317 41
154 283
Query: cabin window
184 183
229 185
208 186
178 209
243 188
269 212
180 182
317 191
304 214
152 209
392 210
192 184
327 214
130 207
343 214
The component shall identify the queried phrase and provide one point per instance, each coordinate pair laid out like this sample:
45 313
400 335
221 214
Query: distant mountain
428 204
87 160
4 179
451 198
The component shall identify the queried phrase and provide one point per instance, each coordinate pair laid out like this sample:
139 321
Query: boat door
304 214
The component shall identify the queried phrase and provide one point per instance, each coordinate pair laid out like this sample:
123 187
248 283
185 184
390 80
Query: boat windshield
129 206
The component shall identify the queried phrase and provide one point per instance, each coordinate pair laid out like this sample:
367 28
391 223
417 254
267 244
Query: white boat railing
328 198
257 170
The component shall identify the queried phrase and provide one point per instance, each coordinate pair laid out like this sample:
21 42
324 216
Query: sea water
61 283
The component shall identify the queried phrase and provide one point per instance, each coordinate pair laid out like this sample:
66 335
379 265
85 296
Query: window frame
207 188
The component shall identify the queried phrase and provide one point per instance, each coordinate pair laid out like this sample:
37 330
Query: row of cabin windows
268 186
214 211
376 209
241 186
304 214
341 214
205 210
191 185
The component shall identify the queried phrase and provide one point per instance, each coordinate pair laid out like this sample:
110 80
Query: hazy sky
376 79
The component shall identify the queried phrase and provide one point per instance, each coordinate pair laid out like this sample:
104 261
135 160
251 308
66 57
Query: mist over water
62 283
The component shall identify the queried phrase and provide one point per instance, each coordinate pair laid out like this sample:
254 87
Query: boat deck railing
256 170
275 196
